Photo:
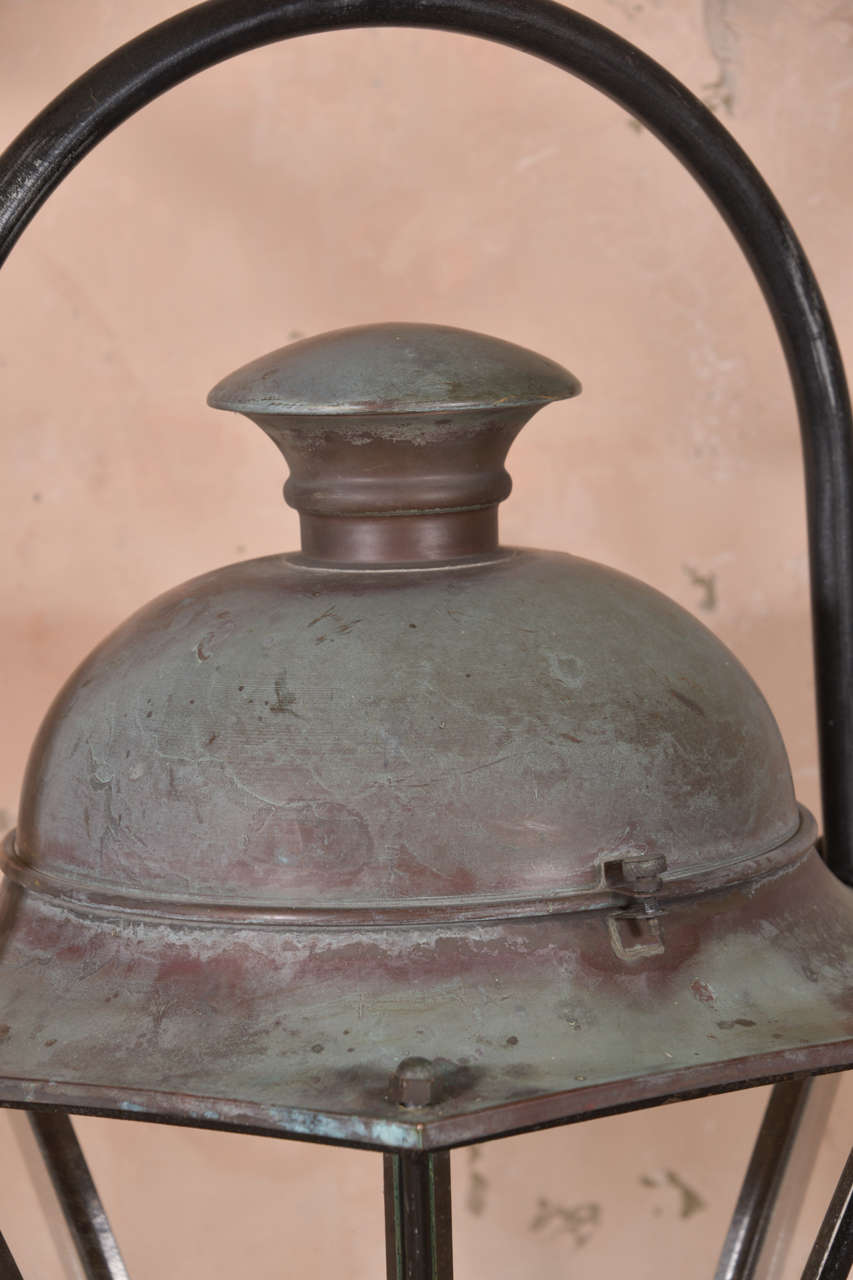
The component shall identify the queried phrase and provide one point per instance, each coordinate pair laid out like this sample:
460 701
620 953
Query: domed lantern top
492 731
408 793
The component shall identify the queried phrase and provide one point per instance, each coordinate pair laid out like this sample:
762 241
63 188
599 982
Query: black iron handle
209 33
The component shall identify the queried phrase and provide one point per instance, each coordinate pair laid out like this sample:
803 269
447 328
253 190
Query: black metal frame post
778 1171
418 1219
832 1255
77 1195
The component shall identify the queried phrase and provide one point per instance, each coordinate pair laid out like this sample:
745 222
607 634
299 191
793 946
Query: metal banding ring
116 901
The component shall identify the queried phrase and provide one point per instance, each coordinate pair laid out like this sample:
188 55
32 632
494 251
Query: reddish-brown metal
533 1022
396 436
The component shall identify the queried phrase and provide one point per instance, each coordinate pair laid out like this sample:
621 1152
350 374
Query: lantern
409 839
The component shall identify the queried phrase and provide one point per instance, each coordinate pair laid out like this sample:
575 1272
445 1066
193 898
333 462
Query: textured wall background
395 174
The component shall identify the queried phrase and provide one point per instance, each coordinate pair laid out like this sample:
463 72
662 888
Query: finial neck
404 541
396 436
397 488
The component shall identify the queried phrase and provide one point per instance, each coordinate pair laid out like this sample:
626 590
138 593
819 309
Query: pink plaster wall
412 175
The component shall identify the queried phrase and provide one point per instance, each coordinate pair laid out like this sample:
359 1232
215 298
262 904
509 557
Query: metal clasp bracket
635 929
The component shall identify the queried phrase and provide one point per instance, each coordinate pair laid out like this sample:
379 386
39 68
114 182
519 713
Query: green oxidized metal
409 794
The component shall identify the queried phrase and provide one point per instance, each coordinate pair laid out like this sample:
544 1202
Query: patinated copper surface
407 794
395 435
299 1031
275 736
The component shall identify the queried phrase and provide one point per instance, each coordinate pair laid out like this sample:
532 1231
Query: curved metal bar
209 33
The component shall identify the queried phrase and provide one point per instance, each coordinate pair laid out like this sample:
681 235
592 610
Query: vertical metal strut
418 1222
78 1197
832 1255
779 1169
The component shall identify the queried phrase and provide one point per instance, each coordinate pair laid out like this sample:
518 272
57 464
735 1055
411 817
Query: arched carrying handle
209 33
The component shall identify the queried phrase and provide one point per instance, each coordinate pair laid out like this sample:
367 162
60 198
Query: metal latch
635 930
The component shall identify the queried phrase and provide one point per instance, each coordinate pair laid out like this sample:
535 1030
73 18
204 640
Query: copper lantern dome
408 793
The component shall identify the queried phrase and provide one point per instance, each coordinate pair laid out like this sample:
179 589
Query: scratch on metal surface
329 613
457 773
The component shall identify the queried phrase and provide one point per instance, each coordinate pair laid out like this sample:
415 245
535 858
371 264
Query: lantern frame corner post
70 1199
779 1168
418 1215
831 1257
